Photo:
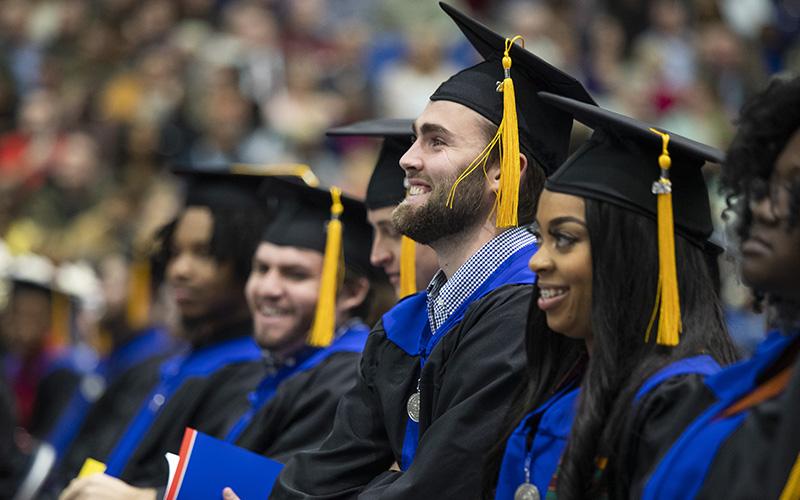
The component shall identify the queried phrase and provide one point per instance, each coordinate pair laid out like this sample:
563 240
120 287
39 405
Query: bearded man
440 369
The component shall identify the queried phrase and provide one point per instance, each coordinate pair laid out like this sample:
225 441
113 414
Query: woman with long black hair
746 443
650 324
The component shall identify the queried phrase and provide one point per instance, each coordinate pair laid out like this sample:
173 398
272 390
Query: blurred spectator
99 97
261 62
303 111
230 132
404 87
27 154
729 66
668 44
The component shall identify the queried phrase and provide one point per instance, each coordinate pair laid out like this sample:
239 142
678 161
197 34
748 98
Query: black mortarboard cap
544 131
387 184
301 217
237 186
619 164
654 172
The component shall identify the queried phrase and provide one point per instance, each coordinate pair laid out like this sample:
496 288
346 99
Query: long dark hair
767 122
624 278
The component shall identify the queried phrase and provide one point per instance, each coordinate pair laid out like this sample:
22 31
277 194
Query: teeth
270 311
549 293
414 190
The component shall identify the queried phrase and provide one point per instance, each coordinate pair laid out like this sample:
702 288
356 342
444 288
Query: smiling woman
599 282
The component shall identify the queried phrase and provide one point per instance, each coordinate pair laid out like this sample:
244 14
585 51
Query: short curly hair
766 124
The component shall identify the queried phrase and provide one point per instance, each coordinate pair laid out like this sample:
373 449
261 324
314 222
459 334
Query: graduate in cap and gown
125 376
439 369
308 307
205 257
40 366
746 442
623 228
409 265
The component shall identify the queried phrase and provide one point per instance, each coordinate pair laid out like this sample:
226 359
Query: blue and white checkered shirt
445 296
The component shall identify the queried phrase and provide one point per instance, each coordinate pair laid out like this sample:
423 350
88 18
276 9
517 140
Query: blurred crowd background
99 98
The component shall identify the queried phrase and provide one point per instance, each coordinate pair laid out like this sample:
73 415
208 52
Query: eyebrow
563 220
430 128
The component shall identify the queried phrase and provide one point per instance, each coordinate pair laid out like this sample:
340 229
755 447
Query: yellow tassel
507 137
508 192
137 310
667 298
299 170
325 316
408 268
792 489
59 320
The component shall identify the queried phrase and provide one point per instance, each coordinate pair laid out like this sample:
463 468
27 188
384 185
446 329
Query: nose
540 262
763 209
380 255
179 267
269 285
411 158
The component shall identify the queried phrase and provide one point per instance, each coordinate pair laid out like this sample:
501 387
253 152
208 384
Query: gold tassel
325 316
792 489
408 271
667 298
137 310
508 192
299 170
507 137
59 319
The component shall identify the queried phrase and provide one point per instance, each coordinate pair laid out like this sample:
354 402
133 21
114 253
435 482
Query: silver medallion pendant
526 491
412 407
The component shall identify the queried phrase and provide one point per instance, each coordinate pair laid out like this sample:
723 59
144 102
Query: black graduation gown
755 460
13 461
467 384
209 404
301 413
785 455
654 424
107 419
53 394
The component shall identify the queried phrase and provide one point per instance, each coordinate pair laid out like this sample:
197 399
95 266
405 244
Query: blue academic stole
134 352
555 418
406 325
682 471
352 340
174 372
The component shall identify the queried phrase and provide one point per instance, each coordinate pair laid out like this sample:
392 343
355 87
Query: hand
103 487
228 494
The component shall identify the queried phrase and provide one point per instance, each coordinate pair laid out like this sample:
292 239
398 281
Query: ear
493 172
351 295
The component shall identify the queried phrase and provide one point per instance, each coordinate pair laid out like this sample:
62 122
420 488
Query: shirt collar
447 295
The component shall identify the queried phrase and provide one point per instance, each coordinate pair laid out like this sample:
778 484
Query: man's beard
435 220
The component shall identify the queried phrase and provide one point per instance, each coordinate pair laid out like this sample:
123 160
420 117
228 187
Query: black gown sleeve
470 378
13 460
209 404
53 395
301 413
755 460
654 423
357 448
478 378
787 451
107 419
